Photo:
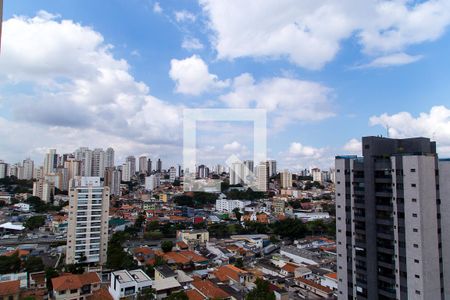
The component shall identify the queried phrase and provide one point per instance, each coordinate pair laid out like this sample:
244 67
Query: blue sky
119 72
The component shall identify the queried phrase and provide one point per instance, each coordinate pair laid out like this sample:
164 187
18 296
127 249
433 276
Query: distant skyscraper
44 189
316 174
248 171
73 167
159 166
286 179
50 161
28 169
132 164
87 231
203 171
109 158
98 163
112 180
262 176
392 221
84 155
149 166
3 169
237 173
126 171
272 168
143 165
172 174
152 182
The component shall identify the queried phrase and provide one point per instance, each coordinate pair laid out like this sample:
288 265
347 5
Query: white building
226 205
98 163
272 164
28 169
44 189
87 232
126 171
131 161
143 165
50 161
262 175
316 174
84 155
172 174
129 284
237 173
152 182
3 169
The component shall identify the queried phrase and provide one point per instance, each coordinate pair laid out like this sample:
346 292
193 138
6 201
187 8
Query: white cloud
157 8
298 150
434 125
191 43
309 33
192 76
287 99
233 146
396 59
184 16
353 146
76 87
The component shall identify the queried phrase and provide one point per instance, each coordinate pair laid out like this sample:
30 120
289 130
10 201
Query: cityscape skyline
354 88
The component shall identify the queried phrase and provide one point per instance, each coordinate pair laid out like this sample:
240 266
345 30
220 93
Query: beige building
87 232
193 237
279 206
44 189
286 179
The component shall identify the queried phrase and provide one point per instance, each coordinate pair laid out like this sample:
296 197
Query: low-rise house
75 286
233 275
164 271
314 287
209 290
128 283
37 280
300 256
193 238
330 281
10 290
165 287
143 255
185 259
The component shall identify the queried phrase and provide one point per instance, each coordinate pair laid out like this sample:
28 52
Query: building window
415 230
414 215
414 200
413 170
415 246
417 292
413 185
417 276
416 261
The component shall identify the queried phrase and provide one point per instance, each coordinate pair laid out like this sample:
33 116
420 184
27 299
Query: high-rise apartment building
272 165
393 238
286 179
112 180
109 158
149 166
98 163
84 155
50 161
159 166
131 161
126 172
87 231
143 165
152 182
28 169
316 174
237 173
44 189
262 176
3 169
173 174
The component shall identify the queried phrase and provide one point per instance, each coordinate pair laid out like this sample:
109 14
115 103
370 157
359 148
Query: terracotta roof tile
210 290
194 295
11 287
68 282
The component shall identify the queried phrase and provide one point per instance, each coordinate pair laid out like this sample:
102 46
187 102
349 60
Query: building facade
389 224
87 232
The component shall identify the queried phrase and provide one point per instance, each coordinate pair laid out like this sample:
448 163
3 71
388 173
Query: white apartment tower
237 173
50 161
272 164
393 221
109 158
131 161
28 169
87 232
98 163
262 176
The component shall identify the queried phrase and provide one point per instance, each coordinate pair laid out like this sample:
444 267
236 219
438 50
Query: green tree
178 296
35 222
237 213
261 291
239 263
290 228
75 268
146 294
34 264
117 257
10 264
166 246
49 274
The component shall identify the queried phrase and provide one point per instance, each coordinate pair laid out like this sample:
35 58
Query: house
288 270
10 290
75 286
300 256
330 281
37 280
128 283
164 271
232 274
165 287
209 290
314 287
193 238
185 259
143 254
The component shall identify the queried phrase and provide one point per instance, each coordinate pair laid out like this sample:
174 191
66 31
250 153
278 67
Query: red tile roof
68 282
313 284
11 287
227 272
195 295
210 290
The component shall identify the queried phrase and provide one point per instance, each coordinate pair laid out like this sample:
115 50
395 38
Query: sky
120 73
